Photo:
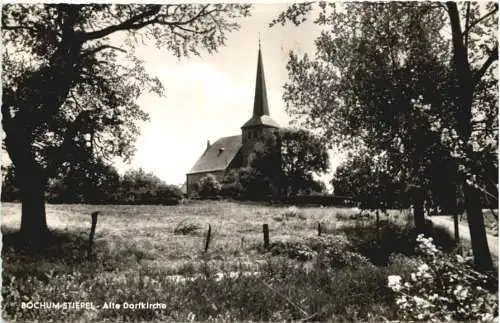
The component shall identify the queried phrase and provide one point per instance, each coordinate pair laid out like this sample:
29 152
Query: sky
211 96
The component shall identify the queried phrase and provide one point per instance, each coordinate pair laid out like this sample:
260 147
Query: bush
169 195
248 184
444 288
208 187
187 228
293 250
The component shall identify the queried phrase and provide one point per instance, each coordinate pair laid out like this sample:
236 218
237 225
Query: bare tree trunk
479 241
418 211
34 228
467 81
33 218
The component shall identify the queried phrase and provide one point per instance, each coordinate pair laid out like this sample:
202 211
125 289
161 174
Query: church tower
260 122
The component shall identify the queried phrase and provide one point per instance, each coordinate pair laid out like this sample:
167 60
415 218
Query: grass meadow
156 254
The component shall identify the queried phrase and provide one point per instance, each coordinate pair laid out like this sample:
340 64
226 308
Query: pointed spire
260 106
260 117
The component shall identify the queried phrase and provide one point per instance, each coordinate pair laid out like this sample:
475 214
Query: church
235 151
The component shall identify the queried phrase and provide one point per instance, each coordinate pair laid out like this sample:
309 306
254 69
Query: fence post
207 241
265 229
92 232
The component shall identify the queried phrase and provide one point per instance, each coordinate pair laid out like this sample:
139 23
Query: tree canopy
391 78
71 81
283 164
72 90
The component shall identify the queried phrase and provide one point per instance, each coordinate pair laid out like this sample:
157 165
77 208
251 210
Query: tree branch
202 31
467 18
461 61
490 60
133 23
136 23
8 27
98 49
473 24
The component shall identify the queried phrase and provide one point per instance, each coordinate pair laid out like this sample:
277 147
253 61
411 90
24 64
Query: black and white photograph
248 162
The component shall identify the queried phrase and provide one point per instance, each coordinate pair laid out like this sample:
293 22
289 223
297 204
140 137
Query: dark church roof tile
219 155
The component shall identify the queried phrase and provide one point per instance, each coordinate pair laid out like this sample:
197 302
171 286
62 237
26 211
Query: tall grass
284 290
340 276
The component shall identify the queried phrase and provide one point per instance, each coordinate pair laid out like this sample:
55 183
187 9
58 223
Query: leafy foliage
282 165
372 84
70 88
386 83
444 288
360 178
208 187
303 155
139 187
92 183
248 183
97 82
102 184
387 78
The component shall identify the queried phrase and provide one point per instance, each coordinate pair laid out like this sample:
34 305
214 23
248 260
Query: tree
140 187
290 159
303 155
381 78
69 92
248 183
475 50
208 187
94 182
372 85
366 180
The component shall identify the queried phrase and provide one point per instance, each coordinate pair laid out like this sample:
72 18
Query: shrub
336 253
208 187
187 228
169 195
443 288
231 186
248 184
293 250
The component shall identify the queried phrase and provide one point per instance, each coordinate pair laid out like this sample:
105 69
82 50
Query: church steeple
260 117
260 106
261 123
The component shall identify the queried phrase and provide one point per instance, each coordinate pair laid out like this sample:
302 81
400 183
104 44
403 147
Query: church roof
261 121
219 155
260 115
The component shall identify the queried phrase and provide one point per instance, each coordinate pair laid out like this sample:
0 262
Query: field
490 221
156 254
